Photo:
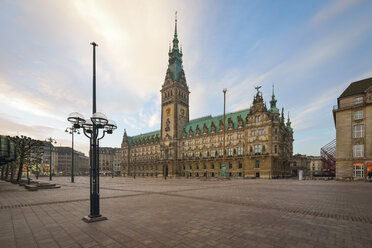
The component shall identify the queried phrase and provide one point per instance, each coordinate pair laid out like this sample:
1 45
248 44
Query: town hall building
259 143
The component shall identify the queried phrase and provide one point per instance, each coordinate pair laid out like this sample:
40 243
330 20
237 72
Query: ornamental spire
175 56
273 100
289 128
175 39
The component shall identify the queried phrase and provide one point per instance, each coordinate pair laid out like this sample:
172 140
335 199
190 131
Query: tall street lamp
91 129
223 172
50 140
72 130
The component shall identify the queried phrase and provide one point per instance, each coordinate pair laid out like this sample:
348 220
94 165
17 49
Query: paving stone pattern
153 212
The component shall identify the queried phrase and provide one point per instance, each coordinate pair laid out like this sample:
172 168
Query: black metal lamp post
91 129
72 130
50 140
112 153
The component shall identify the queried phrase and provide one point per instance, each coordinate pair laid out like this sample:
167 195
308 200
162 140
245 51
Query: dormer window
257 118
358 100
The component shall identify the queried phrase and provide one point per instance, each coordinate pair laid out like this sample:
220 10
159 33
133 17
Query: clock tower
174 101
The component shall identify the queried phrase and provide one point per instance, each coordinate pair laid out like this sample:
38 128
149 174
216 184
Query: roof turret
273 108
289 128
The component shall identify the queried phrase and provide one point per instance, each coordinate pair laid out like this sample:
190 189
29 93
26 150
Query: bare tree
25 147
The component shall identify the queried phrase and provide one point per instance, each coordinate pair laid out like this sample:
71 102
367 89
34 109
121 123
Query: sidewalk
189 213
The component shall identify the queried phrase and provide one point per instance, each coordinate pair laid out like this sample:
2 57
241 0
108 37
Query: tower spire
289 124
175 26
273 101
175 38
175 55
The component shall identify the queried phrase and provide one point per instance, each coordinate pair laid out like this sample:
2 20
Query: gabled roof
143 136
216 120
357 87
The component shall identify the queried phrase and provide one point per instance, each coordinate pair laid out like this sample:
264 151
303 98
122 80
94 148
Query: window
257 118
229 136
190 167
204 141
276 149
197 154
230 165
253 132
257 164
257 149
240 150
205 154
240 165
213 153
358 150
205 166
358 131
212 139
358 115
212 166
230 151
276 131
358 169
220 138
197 166
220 152
240 135
261 131
358 100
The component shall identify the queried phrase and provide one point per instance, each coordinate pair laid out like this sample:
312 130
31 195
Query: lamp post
223 168
50 140
91 128
112 163
72 130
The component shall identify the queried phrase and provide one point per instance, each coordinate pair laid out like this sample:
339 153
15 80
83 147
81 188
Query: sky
309 50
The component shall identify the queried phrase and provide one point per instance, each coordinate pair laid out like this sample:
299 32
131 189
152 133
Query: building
109 160
309 165
353 120
258 141
299 163
64 162
48 153
315 165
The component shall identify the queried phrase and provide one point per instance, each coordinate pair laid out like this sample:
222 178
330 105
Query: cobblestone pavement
151 212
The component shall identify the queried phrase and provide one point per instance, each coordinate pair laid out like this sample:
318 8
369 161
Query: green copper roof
273 108
289 128
175 57
216 120
143 136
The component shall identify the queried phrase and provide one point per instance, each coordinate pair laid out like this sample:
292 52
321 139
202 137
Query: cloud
332 10
12 128
306 139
